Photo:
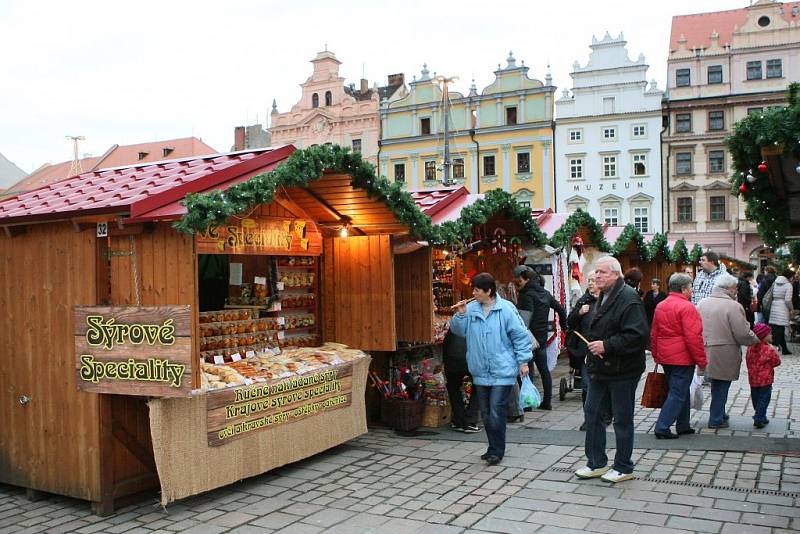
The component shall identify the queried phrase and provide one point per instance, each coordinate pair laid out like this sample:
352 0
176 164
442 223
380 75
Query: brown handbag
655 389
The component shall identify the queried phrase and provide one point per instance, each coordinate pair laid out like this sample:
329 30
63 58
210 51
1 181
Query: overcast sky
130 72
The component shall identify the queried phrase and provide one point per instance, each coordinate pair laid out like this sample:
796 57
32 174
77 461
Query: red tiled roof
114 157
137 189
697 28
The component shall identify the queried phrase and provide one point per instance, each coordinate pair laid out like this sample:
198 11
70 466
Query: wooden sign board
126 350
273 235
238 412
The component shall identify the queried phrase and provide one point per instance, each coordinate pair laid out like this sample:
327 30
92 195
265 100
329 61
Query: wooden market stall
93 264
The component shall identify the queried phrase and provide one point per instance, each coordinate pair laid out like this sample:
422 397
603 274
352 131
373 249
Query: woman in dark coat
652 298
744 295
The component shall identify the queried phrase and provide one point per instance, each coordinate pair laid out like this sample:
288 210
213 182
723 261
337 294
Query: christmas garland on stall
579 218
302 167
774 127
659 244
695 253
459 232
680 252
630 234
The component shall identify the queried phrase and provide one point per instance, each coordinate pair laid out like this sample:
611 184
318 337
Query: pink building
331 112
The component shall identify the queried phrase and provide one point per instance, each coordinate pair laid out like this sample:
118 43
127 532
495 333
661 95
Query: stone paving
384 482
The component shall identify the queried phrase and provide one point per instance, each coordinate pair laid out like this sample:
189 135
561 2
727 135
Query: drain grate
701 485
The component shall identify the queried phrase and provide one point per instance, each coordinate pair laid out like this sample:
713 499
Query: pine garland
579 218
680 252
695 253
630 235
773 127
659 244
459 232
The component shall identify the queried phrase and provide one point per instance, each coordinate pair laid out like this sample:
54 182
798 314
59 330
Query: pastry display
273 365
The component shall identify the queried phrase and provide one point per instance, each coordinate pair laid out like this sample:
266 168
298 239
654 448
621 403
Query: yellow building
500 138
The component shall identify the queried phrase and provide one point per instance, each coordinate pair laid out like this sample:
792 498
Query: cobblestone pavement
383 482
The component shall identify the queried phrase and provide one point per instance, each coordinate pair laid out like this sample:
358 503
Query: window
774 68
142 155
763 21
640 164
576 168
425 126
328 98
714 74
399 172
717 208
755 111
315 100
523 163
716 120
682 78
609 133
685 210
609 166
608 105
716 161
430 171
611 216
524 203
639 130
356 145
511 115
683 122
753 70
575 136
641 219
488 166
167 151
458 168
683 163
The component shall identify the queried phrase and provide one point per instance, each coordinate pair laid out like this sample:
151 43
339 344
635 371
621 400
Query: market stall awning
136 189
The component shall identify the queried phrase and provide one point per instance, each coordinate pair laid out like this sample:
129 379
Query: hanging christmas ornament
743 189
751 178
762 167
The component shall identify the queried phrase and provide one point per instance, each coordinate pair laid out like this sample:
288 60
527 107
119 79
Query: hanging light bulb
343 231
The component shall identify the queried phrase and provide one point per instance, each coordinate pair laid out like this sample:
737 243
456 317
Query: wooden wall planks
47 444
358 292
414 288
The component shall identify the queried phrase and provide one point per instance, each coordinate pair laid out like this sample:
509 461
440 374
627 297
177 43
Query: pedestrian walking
653 297
768 278
762 359
578 321
534 298
725 330
499 347
677 344
710 270
617 337
454 354
744 296
780 311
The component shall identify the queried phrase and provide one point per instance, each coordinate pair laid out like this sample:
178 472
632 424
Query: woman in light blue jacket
498 350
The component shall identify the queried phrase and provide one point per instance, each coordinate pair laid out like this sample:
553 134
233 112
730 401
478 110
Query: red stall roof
135 190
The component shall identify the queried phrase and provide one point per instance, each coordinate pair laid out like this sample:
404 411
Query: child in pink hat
762 359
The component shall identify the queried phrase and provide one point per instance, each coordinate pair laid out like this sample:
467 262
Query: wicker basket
402 414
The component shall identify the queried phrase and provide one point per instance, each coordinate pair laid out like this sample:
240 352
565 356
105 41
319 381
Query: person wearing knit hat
762 359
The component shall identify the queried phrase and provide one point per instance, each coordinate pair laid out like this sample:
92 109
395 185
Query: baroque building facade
331 112
498 138
722 66
608 139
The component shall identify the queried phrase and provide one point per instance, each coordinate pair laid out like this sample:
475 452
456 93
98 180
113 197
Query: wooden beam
12 231
129 441
327 206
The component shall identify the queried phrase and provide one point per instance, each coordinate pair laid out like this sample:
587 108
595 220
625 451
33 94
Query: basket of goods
403 403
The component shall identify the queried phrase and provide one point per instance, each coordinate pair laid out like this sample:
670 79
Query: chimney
239 138
397 79
364 86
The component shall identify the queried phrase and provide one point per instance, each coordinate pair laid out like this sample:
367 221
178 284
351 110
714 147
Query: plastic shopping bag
528 394
696 393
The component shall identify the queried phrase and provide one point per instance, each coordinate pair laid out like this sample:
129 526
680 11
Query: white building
608 142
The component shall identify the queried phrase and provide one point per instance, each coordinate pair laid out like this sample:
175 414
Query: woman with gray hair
725 330
677 343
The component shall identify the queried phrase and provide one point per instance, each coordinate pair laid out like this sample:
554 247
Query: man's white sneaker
615 476
588 472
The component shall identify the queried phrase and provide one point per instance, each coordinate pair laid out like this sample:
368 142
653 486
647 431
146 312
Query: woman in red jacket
677 343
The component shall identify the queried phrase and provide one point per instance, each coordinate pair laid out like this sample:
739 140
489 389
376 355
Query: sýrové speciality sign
127 350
